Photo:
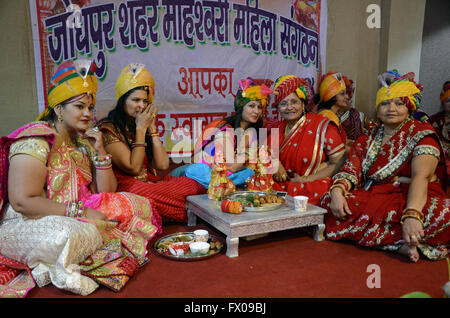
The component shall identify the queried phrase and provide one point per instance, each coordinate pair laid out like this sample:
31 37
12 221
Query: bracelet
81 211
338 185
408 210
102 161
414 216
154 134
411 213
138 144
104 167
75 209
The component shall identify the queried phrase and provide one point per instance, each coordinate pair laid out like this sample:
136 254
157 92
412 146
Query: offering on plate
257 200
230 206
179 248
199 247
201 236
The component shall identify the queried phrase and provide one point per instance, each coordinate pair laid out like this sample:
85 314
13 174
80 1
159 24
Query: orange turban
445 91
331 84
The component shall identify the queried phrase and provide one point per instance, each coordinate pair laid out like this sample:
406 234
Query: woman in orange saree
311 147
58 197
389 194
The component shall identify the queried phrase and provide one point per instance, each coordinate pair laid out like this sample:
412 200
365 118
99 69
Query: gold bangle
154 134
338 185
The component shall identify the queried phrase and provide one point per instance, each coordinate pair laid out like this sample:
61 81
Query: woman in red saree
58 199
131 137
389 194
311 146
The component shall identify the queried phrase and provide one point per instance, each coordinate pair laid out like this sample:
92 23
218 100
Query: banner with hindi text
197 50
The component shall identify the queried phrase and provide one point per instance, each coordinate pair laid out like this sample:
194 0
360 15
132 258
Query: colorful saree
376 212
167 194
51 244
304 150
205 150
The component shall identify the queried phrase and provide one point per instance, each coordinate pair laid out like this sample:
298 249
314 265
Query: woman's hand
95 137
339 206
144 118
94 214
412 231
281 174
299 179
152 124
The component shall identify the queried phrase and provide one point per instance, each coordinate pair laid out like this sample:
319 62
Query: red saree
304 149
167 194
376 213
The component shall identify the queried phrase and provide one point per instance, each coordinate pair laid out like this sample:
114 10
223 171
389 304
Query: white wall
435 57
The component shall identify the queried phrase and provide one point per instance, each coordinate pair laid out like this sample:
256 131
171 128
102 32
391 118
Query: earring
60 118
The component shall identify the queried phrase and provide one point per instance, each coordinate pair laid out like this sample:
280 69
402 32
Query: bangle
138 144
411 213
155 134
71 209
75 209
104 168
411 210
338 185
81 211
102 161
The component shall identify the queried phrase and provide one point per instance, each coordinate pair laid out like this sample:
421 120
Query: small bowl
179 249
201 236
199 247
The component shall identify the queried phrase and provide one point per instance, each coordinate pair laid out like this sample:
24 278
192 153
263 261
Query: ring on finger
95 129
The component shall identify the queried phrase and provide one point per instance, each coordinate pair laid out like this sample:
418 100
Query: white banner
197 50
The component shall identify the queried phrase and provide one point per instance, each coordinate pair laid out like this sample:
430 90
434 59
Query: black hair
324 105
118 118
235 122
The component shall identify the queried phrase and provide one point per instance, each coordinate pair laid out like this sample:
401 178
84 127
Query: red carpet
286 264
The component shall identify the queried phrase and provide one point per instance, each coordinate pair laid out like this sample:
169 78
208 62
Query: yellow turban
400 88
71 78
331 84
132 76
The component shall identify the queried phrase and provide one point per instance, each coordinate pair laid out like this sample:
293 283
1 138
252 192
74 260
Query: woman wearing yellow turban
390 192
58 189
131 137
311 147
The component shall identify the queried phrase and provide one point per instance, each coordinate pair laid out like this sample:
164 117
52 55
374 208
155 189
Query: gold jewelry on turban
71 78
132 76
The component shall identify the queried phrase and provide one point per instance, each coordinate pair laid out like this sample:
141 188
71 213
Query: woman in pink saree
57 189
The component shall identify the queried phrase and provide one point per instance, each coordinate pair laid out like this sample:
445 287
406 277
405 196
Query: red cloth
304 150
167 195
376 213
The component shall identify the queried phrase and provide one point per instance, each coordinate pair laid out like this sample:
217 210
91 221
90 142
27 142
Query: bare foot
410 251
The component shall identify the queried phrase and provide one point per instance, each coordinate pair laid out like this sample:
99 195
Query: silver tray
264 208
187 237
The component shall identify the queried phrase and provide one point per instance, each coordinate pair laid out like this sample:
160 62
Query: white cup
201 236
300 203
